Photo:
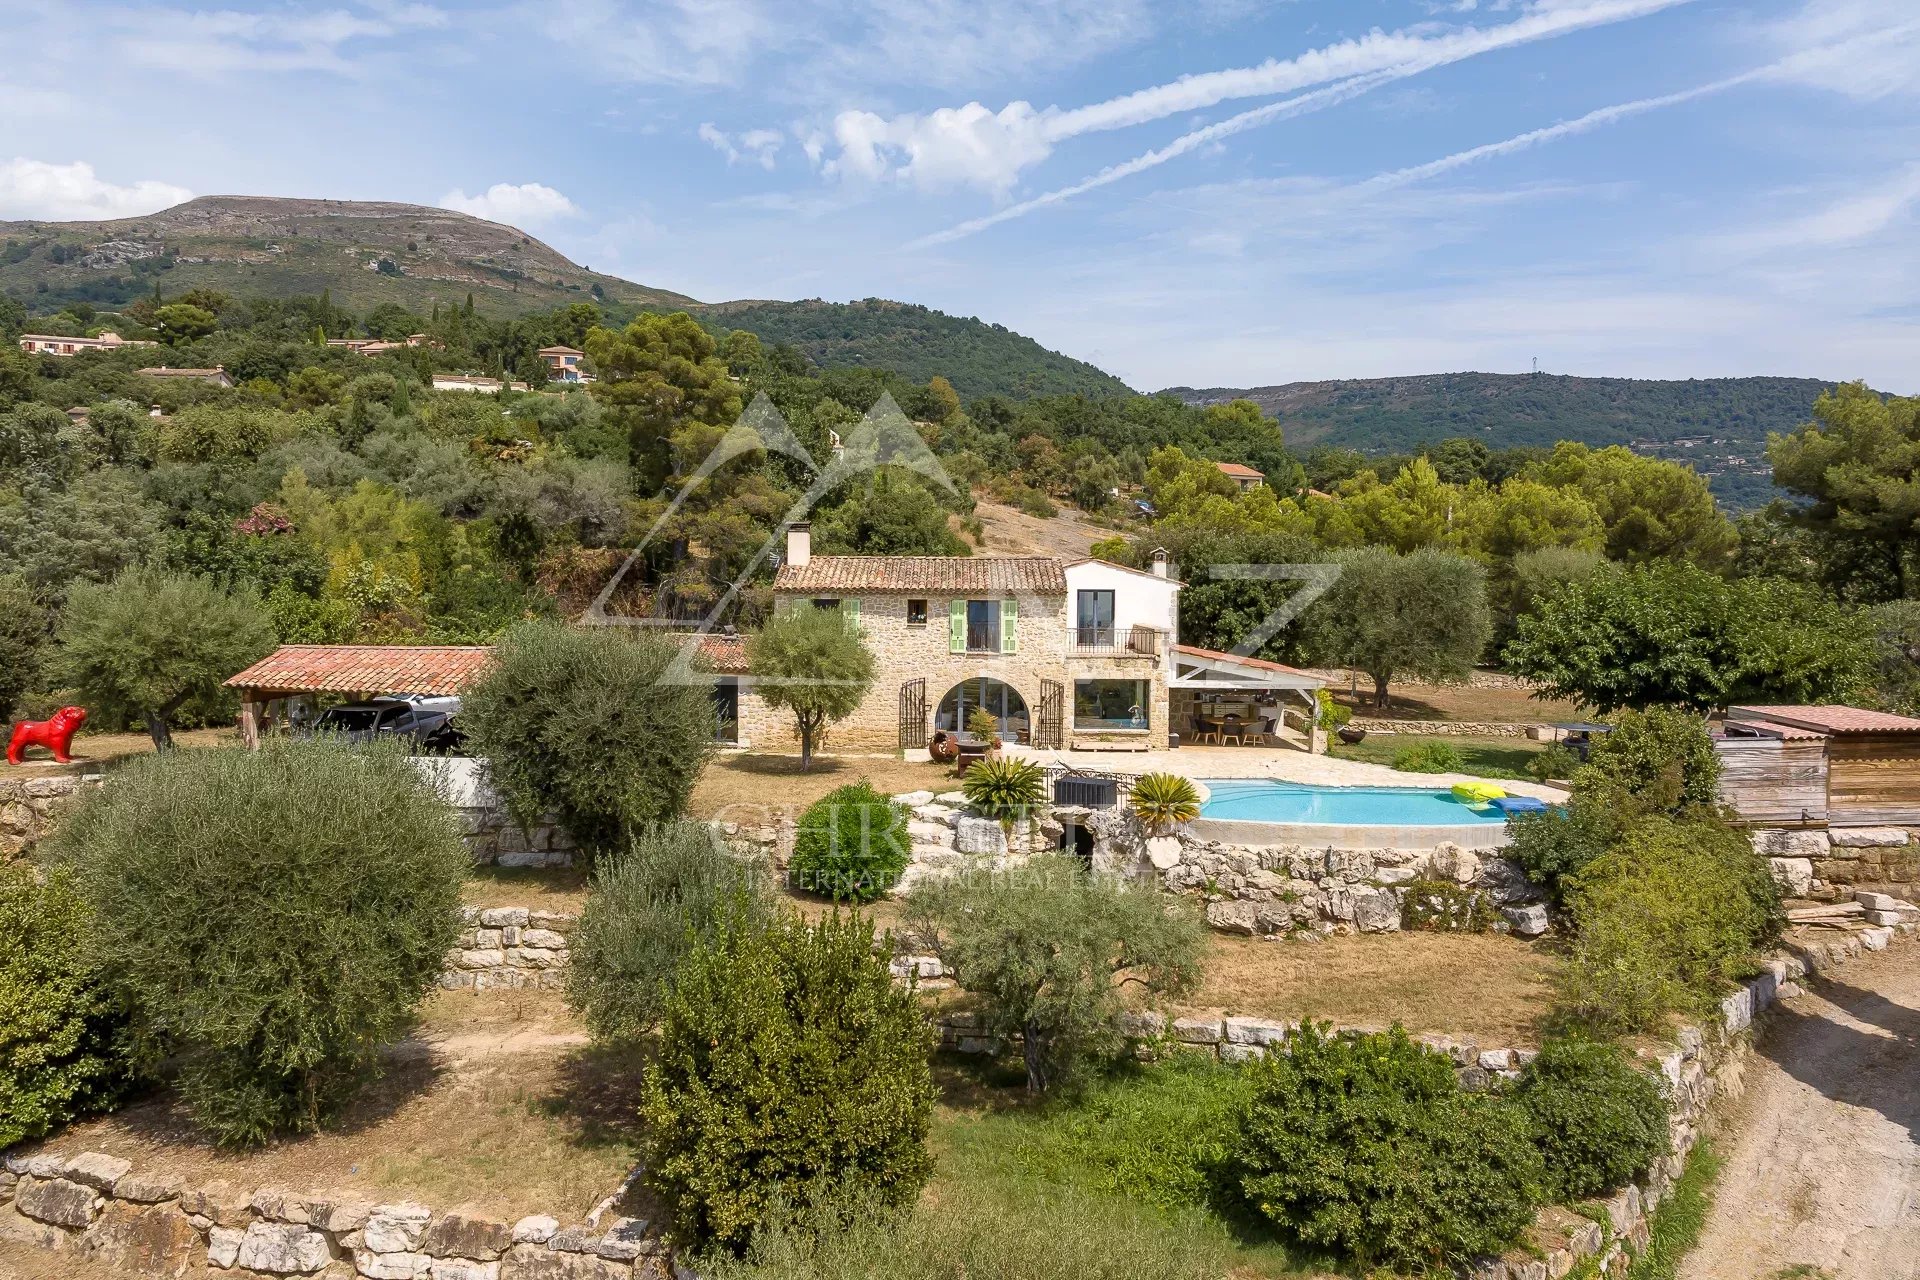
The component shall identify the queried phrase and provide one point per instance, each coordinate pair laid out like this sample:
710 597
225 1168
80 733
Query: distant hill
366 253
977 357
1719 425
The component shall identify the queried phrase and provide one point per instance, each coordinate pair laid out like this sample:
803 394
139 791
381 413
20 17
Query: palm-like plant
1005 789
1164 800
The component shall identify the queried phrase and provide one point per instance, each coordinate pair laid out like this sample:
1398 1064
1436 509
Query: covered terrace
1225 699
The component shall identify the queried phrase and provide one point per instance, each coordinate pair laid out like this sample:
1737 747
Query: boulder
1164 852
392 1266
1866 898
92 1169
1868 837
536 1229
1234 917
534 1262
454 1235
463 1269
144 1188
339 1216
627 1239
979 835
1197 1030
57 1202
933 833
223 1245
1529 920
283 1249
1506 881
217 1202
1376 911
144 1240
1255 1031
1778 842
1451 862
1794 875
1349 864
396 1228
914 799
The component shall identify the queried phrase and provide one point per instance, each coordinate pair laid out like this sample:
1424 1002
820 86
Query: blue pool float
1519 804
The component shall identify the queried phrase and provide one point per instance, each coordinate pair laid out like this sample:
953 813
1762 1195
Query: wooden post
250 720
1316 735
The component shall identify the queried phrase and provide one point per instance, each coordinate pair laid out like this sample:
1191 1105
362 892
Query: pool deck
1201 763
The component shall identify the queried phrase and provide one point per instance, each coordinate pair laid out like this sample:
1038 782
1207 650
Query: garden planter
1350 735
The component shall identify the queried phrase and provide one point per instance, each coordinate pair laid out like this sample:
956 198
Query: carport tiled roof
1836 720
935 575
367 668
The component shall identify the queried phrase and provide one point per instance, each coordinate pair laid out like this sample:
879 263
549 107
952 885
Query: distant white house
53 344
563 364
1244 476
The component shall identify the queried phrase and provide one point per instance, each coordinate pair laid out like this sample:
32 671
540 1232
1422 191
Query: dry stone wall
510 948
30 803
98 1208
1840 861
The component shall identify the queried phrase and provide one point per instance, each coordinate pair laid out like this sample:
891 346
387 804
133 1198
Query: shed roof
1780 732
1214 656
726 654
367 668
936 575
1831 720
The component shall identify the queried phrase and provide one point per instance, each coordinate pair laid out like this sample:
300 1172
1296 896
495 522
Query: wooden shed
1774 775
1872 760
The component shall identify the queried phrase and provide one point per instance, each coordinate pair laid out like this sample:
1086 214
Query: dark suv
428 723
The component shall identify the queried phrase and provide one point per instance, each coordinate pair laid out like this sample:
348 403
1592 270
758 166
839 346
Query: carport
356 671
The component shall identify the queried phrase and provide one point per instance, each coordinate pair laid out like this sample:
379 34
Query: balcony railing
1116 642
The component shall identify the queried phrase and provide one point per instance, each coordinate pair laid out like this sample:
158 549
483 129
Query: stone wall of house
1838 862
508 948
98 1209
30 803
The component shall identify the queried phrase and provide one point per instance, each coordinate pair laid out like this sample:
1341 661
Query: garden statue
56 735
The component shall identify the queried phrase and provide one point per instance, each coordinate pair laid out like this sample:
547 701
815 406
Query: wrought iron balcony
1115 642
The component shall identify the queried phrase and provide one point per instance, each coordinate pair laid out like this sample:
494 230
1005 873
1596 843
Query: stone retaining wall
1839 861
491 834
30 802
508 948
1447 728
98 1208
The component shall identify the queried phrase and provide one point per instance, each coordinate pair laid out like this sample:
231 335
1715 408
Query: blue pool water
1262 800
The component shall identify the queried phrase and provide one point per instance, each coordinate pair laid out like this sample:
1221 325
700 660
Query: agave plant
1005 789
1164 801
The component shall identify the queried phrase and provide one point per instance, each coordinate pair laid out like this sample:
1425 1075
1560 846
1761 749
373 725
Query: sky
1212 193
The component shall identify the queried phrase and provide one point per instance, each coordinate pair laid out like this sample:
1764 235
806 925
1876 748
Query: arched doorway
1002 700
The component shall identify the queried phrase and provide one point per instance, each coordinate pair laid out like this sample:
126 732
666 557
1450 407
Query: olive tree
273 918
605 731
1421 614
813 663
1049 949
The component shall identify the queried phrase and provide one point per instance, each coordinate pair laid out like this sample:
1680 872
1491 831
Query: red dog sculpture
56 735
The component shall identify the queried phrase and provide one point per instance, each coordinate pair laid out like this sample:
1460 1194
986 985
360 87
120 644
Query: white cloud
1865 49
1849 219
526 204
988 149
755 146
204 42
73 192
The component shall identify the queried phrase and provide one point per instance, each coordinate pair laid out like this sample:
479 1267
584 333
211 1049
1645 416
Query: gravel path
1822 1175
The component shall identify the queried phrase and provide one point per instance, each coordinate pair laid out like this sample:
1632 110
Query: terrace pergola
1207 675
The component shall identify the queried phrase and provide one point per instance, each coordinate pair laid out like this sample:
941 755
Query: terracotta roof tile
936 575
726 654
367 668
1831 719
1239 471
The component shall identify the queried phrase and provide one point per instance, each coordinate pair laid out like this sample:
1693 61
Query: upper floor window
1093 617
916 613
983 626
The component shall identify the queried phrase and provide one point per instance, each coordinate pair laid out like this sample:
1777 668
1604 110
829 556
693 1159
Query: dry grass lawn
497 1104
104 748
750 788
539 888
1457 702
1492 988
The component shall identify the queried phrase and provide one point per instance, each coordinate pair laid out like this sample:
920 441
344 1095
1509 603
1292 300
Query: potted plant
985 726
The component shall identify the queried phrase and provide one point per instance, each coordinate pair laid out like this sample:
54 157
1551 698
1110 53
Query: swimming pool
1296 803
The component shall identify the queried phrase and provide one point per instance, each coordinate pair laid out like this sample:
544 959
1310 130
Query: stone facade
30 803
1840 861
96 1207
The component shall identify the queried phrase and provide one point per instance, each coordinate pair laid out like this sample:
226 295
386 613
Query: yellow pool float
1477 792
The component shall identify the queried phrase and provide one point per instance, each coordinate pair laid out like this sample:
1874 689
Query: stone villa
1081 654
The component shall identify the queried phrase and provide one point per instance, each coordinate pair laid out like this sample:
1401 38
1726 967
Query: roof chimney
799 544
1159 562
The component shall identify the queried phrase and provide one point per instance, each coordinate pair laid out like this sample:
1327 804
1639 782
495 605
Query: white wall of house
1139 599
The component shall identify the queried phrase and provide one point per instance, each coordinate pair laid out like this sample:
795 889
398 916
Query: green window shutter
852 609
1009 626
957 626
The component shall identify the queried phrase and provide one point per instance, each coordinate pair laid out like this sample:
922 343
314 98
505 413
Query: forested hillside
1719 425
978 358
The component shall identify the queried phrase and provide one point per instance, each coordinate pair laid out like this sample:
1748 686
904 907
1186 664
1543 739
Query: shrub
1163 801
596 728
1660 760
1332 715
1665 921
1441 906
650 906
1045 948
273 917
984 725
1553 844
1005 789
1598 1120
851 844
1552 764
790 1069
1366 1145
63 1043
1428 757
